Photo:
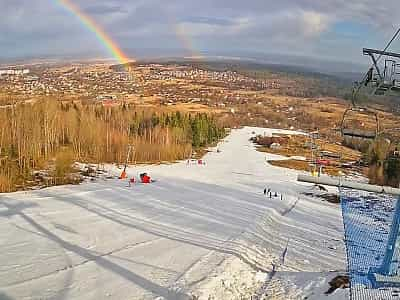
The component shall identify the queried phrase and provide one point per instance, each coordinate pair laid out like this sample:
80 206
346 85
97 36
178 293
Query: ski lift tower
314 153
388 274
384 78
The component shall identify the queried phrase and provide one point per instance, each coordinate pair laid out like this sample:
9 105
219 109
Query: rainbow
186 41
101 35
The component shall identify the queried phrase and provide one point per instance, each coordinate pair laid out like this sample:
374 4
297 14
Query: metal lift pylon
388 274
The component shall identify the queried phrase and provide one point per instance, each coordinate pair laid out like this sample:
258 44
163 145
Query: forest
51 136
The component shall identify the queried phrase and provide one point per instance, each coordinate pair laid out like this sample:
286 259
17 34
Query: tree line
384 163
382 157
51 135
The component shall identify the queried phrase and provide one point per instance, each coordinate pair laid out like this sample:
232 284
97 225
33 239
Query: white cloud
314 24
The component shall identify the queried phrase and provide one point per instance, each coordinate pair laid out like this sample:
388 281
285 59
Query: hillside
200 230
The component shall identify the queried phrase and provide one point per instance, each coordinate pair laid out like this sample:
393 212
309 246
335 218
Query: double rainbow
101 35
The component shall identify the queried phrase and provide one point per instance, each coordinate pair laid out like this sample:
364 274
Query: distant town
167 85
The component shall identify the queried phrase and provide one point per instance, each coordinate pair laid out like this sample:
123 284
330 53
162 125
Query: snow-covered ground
199 231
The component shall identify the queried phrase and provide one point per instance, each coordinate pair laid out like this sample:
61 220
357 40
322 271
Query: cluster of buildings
71 83
231 78
14 72
173 84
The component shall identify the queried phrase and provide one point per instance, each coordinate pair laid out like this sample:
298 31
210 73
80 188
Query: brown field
296 146
305 166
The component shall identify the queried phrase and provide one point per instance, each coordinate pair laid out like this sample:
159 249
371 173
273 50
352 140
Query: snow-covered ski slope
198 230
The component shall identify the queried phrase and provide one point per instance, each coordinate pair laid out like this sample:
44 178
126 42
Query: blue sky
334 30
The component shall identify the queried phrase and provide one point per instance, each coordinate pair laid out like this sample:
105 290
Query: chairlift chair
384 82
348 132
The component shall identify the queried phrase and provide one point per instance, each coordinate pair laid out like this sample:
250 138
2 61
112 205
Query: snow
198 231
